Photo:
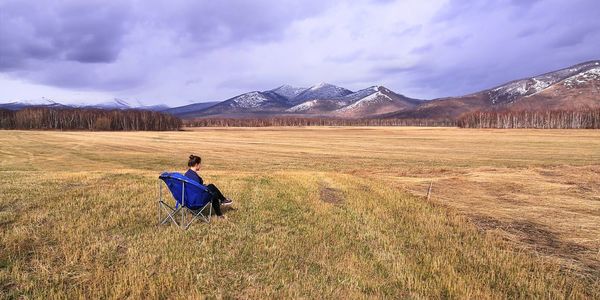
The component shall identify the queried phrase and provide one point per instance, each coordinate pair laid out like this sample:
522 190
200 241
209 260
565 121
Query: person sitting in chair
218 198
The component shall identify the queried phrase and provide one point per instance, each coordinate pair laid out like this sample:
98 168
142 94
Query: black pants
216 199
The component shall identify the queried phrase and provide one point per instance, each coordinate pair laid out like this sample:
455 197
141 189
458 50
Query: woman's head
194 162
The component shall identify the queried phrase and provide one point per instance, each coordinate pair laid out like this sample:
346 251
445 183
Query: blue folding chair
190 198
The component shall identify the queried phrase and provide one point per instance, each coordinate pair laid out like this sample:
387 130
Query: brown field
319 213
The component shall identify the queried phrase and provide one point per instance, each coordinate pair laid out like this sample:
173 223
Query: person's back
192 173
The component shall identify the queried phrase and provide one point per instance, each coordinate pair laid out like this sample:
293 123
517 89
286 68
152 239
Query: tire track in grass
431 252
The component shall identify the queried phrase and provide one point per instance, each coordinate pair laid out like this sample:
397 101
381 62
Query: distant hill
245 104
321 91
114 104
381 101
44 102
575 87
324 100
183 111
288 91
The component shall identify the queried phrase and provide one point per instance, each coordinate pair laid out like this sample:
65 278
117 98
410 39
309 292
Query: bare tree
312 121
87 119
556 119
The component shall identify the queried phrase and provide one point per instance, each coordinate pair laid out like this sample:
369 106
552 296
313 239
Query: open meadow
319 212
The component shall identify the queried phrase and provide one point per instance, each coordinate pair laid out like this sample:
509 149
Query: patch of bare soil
331 195
536 237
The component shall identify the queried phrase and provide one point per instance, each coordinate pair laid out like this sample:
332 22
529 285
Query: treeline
296 121
87 119
551 119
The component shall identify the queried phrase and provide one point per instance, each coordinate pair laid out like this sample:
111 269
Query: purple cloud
37 31
182 50
499 41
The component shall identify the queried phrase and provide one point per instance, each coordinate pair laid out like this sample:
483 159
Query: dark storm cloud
38 30
40 40
212 24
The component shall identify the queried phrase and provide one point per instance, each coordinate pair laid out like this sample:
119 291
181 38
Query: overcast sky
183 51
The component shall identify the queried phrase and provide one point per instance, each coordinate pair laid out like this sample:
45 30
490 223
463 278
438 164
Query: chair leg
170 213
199 215
209 213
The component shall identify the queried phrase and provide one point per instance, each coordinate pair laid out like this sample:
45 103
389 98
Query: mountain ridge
116 103
574 87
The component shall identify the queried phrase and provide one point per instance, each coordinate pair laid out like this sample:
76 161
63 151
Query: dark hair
194 160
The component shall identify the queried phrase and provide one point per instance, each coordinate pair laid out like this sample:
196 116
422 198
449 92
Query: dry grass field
319 213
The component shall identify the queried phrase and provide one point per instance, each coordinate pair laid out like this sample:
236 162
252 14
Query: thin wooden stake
429 190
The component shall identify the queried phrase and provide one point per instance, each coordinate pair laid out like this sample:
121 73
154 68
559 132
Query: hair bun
194 160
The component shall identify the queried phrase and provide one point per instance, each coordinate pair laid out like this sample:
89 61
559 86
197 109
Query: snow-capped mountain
514 90
281 100
325 97
114 104
321 91
252 102
303 107
362 103
39 102
48 103
381 100
185 110
317 106
42 102
249 100
582 79
323 104
575 87
320 100
288 91
158 107
351 98
578 91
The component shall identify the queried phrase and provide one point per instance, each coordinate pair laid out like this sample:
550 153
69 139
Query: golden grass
319 213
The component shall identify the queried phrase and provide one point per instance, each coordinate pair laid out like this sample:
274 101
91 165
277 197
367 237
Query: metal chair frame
171 213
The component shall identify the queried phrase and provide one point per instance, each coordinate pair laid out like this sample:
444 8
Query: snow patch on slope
531 86
288 91
539 85
319 86
510 91
249 100
377 97
304 106
322 91
348 99
583 78
43 101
